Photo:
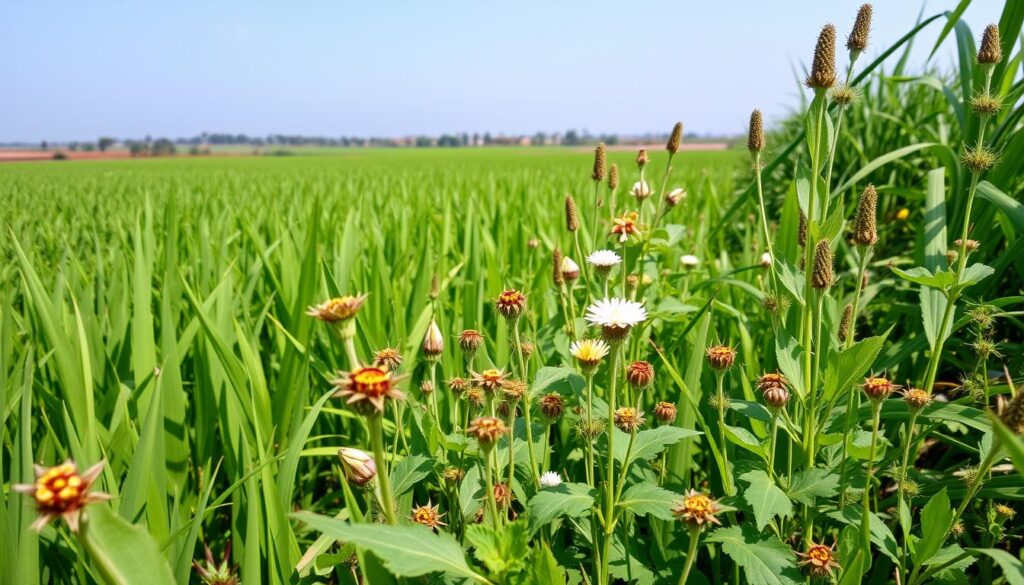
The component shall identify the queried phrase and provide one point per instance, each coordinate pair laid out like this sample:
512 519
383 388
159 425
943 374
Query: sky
75 70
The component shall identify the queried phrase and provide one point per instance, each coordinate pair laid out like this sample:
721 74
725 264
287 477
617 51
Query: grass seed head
556 267
858 39
865 231
822 275
613 177
600 163
846 323
801 233
755 132
823 68
675 140
572 215
985 104
978 159
991 51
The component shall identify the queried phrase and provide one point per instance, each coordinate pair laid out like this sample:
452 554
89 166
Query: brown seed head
801 233
865 231
846 323
642 159
629 419
600 162
640 374
823 68
755 132
475 396
470 341
572 216
1013 414
613 177
389 357
552 406
503 496
556 265
916 398
858 39
426 387
991 51
458 386
486 429
774 389
822 275
721 357
675 140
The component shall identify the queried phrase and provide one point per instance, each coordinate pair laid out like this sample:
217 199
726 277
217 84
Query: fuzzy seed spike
613 177
846 323
823 68
991 51
572 216
865 226
755 133
676 139
822 275
858 39
556 265
600 162
802 230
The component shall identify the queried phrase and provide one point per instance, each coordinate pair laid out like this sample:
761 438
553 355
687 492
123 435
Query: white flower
641 190
766 260
550 479
604 259
617 313
689 261
570 269
675 195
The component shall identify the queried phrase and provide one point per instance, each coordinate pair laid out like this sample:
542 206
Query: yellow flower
338 309
366 389
903 214
697 509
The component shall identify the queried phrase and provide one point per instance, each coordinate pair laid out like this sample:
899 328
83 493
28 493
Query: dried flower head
858 39
991 51
511 304
453 474
1004 511
957 529
613 177
823 68
721 357
486 429
470 341
503 495
426 387
629 419
514 390
458 386
626 226
527 349
615 317
475 397
865 230
590 429
1013 414
819 560
697 509
433 342
986 104
62 491
801 233
641 158
843 94
552 406
673 197
427 515
212 572
967 474
572 215
665 412
589 353
359 466
367 389
822 276
389 358
490 379
878 388
916 398
755 132
338 308
640 374
978 159
600 163
675 140
570 269
550 479
774 389
968 245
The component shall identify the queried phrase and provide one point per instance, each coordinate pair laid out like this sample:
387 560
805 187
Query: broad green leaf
406 551
1012 568
650 443
562 380
933 302
976 273
410 471
765 559
124 553
941 280
812 483
502 550
648 498
787 353
744 438
852 364
568 499
936 517
545 568
765 498
1011 207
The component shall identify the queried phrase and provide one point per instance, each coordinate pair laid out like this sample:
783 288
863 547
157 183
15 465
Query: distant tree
571 138
539 139
487 138
44 145
448 140
104 143
162 147
423 142
136 148
88 147
60 156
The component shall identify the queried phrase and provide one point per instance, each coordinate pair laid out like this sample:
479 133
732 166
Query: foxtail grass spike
676 139
858 39
991 51
599 163
865 226
613 177
572 216
823 68
822 275
556 265
846 323
801 233
755 133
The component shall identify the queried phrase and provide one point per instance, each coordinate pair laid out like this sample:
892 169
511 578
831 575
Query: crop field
797 360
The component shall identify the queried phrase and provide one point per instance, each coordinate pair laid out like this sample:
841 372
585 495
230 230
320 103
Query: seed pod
675 140
552 406
599 163
426 387
570 269
640 374
433 342
801 233
642 159
613 177
865 230
755 133
991 51
665 412
846 324
823 68
359 466
822 275
858 39
556 265
572 217
721 357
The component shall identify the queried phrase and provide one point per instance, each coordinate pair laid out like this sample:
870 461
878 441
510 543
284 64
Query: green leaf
936 518
408 472
933 302
976 273
765 559
567 499
1012 568
651 442
1008 205
852 364
545 568
744 438
406 551
124 553
765 498
787 353
648 498
1013 443
881 536
562 380
502 550
941 280
812 483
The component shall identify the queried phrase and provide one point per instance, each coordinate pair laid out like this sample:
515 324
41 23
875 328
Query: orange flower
428 516
62 491
721 357
511 304
366 389
487 429
879 388
819 560
490 380
338 309
697 509
626 226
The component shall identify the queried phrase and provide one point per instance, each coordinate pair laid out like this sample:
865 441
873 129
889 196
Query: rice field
796 361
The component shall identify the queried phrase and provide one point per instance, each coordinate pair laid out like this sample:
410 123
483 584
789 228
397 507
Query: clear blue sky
80 69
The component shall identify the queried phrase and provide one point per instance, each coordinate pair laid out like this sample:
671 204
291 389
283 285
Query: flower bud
570 270
665 412
673 197
359 466
433 342
640 374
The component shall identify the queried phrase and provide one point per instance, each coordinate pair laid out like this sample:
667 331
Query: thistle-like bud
527 349
359 466
985 104
426 387
846 323
823 68
572 216
822 275
556 267
599 163
774 389
613 177
433 342
878 388
865 231
755 133
552 406
1013 414
665 412
642 159
570 269
801 233
640 374
991 51
675 140
979 159
721 357
470 341
858 39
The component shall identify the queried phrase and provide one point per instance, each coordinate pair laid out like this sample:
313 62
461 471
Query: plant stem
764 221
383 472
691 554
613 374
526 413
726 474
489 485
876 410
907 440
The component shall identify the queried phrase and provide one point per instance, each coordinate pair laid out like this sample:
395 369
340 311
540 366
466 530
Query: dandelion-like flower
359 466
878 388
511 304
389 358
487 429
697 509
615 317
689 261
550 479
604 260
367 389
589 353
490 380
427 515
62 491
819 560
338 309
629 419
626 226
916 398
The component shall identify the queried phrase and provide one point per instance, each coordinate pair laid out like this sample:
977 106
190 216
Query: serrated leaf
567 499
1012 568
410 471
406 551
936 517
650 443
562 380
976 273
744 438
852 364
881 536
787 354
812 483
648 498
765 559
765 498
941 280
501 550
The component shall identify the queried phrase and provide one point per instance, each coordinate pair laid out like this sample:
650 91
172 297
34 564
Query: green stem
764 221
691 554
526 412
726 474
613 371
905 461
383 474
876 410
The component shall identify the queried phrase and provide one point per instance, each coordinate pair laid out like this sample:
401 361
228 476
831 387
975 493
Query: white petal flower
570 267
641 189
766 260
604 259
550 479
618 313
689 261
